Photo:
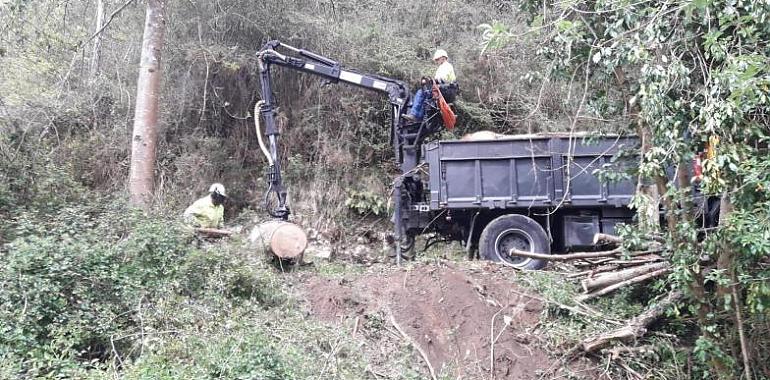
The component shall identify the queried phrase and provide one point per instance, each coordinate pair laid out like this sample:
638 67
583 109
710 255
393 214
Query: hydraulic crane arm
311 63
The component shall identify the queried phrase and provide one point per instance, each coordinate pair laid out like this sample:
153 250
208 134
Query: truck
539 193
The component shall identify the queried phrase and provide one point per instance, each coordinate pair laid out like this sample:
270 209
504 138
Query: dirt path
453 314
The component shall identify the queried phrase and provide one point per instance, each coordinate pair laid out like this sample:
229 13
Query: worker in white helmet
445 77
208 212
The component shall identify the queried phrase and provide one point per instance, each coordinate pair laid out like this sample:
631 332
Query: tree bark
648 218
96 52
145 134
726 262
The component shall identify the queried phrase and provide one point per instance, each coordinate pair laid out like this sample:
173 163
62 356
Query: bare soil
459 317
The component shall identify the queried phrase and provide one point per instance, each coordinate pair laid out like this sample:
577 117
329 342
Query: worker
445 77
208 212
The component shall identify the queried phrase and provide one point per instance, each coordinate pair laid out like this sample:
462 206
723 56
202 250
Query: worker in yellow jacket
445 77
208 212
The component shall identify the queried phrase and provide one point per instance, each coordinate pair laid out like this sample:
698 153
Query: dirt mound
453 315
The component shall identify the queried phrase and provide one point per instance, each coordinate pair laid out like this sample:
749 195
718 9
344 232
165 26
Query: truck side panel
525 173
490 174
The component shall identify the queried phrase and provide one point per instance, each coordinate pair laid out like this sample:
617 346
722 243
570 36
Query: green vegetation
692 78
91 289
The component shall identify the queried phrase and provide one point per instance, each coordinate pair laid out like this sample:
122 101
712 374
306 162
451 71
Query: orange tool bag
447 115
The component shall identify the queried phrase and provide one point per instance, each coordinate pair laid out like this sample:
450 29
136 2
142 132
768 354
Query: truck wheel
514 231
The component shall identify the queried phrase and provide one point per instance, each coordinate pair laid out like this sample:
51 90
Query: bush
68 291
73 284
245 355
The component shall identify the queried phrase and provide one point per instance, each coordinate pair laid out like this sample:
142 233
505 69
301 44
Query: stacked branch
603 272
609 270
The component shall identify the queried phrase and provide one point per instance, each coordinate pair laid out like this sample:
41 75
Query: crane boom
407 137
312 63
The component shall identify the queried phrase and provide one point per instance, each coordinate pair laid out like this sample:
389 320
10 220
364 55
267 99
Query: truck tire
514 231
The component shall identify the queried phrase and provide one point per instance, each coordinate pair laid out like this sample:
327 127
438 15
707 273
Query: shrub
69 289
246 355
367 203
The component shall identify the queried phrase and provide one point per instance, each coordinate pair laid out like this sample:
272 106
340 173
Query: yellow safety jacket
204 214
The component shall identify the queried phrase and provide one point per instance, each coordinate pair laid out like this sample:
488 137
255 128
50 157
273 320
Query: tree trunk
145 135
726 262
648 217
96 52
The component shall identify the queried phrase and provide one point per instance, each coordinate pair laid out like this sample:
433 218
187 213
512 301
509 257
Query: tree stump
283 239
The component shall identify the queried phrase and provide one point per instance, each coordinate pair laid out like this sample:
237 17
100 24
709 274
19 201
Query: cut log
635 328
614 287
282 239
611 278
607 239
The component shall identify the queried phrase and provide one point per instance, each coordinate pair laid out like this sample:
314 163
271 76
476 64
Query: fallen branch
595 271
607 239
607 279
638 260
414 344
619 285
616 352
593 263
567 257
635 328
213 232
567 307
493 340
611 266
580 255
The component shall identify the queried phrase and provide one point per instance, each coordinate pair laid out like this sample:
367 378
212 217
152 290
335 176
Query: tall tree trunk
96 52
145 135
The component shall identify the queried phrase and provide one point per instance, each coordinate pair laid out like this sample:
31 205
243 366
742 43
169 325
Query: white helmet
440 53
218 188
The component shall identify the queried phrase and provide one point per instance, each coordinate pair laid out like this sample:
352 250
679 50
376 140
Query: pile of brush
602 272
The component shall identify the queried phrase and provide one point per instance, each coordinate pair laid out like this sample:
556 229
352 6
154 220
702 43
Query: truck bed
528 171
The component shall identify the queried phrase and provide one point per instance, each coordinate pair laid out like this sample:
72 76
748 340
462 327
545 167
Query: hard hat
218 188
440 53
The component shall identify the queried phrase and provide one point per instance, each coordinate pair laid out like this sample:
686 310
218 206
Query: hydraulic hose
259 132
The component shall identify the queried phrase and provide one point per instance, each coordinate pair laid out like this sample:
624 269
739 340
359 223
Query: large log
611 278
282 239
635 328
